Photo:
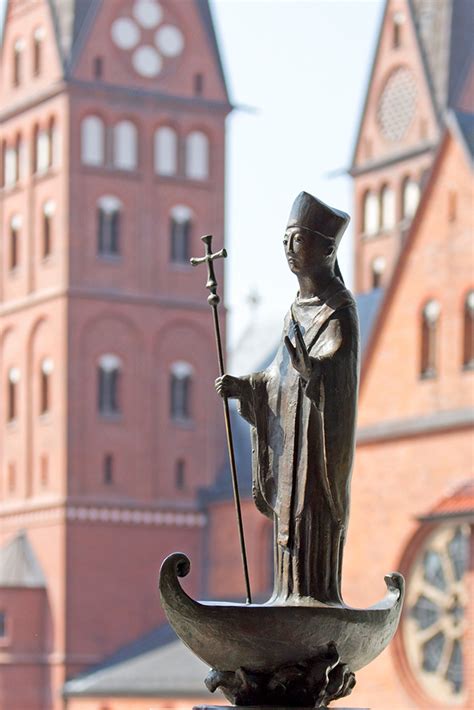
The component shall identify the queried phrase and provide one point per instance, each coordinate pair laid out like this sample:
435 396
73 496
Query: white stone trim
135 516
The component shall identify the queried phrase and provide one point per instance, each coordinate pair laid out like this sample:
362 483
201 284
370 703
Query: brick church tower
112 147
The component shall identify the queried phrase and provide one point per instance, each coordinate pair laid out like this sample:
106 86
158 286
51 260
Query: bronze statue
303 411
301 648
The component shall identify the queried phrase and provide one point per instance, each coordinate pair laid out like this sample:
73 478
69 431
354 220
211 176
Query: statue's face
303 250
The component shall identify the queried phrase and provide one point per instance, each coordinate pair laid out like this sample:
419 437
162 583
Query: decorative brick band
136 517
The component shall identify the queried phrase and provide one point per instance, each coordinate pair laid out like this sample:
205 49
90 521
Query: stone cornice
416 426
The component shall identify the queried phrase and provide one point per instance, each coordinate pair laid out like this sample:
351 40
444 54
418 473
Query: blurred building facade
112 134
113 164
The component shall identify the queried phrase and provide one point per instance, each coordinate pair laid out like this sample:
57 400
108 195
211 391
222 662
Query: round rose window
435 608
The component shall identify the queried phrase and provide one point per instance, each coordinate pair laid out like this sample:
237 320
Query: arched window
410 197
47 368
12 393
108 381
180 390
377 267
53 148
14 256
108 225
38 37
125 145
180 229
18 48
10 166
92 141
370 213
387 208
468 335
166 151
429 332
398 21
197 156
42 151
49 209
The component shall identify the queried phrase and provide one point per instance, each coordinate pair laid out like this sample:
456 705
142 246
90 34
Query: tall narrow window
49 209
108 225
387 208
98 67
92 141
429 333
410 197
180 474
197 156
38 38
18 158
398 20
18 48
14 256
370 213
198 84
108 471
166 151
125 145
180 386
12 393
10 166
42 151
108 381
180 228
45 385
468 335
378 267
52 143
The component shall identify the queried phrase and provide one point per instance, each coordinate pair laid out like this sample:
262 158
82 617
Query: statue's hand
228 386
299 355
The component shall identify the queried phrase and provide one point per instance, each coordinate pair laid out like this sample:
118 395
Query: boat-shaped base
301 655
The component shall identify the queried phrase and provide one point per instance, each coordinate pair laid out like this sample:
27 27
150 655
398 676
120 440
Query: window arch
166 151
377 268
468 334
14 255
13 380
18 48
197 155
387 208
49 208
180 390
410 197
92 141
125 145
429 337
370 213
180 232
108 225
47 367
38 38
108 383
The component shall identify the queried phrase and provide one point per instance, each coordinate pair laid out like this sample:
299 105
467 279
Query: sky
297 72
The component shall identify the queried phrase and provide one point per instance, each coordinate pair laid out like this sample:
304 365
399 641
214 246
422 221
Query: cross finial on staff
213 299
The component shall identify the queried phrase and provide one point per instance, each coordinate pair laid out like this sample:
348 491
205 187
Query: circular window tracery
149 41
434 622
397 104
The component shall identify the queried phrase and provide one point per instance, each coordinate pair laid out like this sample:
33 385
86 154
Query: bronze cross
213 298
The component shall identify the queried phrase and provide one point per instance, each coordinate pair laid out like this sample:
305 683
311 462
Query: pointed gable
19 566
399 112
69 18
436 264
157 46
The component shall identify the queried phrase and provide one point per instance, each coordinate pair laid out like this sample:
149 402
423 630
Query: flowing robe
303 446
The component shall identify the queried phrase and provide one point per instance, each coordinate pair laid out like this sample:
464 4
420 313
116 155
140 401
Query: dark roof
19 566
69 17
156 664
368 305
465 123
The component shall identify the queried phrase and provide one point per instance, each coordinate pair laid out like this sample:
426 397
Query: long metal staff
213 300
